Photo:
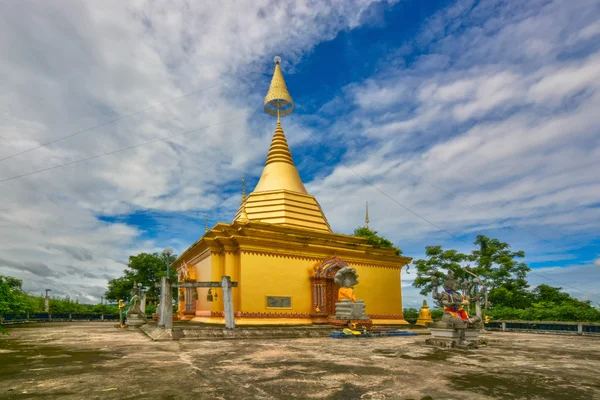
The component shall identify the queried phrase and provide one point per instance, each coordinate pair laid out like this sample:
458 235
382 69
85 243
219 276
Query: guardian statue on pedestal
456 328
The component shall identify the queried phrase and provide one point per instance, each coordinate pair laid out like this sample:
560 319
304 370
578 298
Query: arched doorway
324 288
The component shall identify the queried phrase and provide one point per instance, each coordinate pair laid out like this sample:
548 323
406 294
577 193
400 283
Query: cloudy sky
451 118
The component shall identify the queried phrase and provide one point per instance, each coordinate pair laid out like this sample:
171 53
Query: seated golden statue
348 307
346 293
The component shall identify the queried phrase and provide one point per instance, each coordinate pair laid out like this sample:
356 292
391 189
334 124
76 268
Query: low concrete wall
547 327
57 317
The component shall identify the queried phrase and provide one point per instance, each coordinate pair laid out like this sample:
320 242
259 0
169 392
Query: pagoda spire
243 189
280 197
279 173
367 220
206 229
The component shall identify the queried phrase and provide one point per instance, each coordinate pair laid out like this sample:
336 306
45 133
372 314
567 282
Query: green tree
498 265
549 304
411 313
513 296
549 294
438 262
374 239
119 288
144 268
12 298
494 263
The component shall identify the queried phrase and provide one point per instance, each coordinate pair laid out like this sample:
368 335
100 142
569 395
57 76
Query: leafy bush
437 313
374 239
547 311
150 309
411 313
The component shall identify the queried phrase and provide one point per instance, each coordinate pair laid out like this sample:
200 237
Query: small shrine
424 315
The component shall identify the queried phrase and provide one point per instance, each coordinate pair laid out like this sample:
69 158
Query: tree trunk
477 304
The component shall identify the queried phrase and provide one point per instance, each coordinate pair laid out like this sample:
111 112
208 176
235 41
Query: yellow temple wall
263 275
380 288
266 275
203 273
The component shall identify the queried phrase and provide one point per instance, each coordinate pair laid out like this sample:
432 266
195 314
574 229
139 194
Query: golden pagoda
424 315
282 251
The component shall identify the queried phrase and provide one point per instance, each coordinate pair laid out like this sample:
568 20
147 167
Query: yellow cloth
346 293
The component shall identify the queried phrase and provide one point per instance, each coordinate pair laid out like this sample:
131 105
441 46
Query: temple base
254 321
345 322
134 321
187 315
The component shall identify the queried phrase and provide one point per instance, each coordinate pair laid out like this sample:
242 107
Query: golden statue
347 279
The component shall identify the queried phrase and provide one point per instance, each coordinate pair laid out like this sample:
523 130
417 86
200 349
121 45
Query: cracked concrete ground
98 361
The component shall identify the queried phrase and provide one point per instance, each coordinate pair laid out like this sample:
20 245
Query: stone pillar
47 304
166 303
580 329
228 303
143 303
503 326
231 270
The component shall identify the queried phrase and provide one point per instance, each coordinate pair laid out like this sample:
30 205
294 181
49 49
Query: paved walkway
97 361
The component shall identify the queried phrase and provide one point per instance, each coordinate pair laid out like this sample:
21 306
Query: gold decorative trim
297 257
271 315
386 316
279 255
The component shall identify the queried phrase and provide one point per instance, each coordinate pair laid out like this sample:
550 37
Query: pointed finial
206 229
278 101
367 220
243 215
243 189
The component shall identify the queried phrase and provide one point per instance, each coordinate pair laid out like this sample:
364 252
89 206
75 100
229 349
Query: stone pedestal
347 310
466 338
135 320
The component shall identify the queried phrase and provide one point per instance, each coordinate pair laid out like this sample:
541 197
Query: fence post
70 317
101 317
503 326
580 329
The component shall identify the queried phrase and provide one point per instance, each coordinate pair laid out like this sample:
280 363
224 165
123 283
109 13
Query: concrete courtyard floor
97 361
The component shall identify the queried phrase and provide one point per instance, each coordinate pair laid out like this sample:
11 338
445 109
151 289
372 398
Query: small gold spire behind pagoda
206 218
243 189
243 216
367 220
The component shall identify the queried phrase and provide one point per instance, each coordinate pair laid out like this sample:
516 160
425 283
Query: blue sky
478 117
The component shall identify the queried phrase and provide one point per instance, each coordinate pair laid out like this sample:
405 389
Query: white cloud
501 140
495 125
65 69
